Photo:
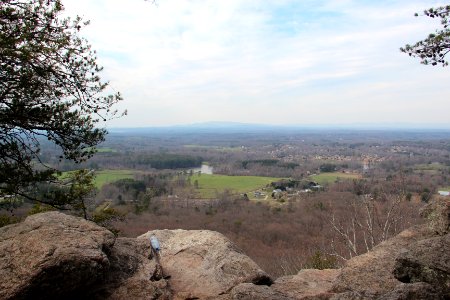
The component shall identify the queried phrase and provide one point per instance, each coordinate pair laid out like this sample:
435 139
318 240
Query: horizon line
353 126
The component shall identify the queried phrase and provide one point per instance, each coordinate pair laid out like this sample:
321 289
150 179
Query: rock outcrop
437 215
307 283
52 255
249 291
426 261
130 272
204 264
56 256
370 274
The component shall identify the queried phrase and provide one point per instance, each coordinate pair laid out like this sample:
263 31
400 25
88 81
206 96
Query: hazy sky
271 62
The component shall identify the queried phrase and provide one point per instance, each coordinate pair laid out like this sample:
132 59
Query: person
158 272
155 244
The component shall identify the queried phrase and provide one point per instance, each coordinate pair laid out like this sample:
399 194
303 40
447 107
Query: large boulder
370 274
307 284
437 215
130 272
52 255
414 291
426 261
204 264
250 291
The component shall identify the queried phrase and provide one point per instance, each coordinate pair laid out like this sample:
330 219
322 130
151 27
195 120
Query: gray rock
370 274
249 291
129 275
414 291
437 215
204 264
426 261
52 254
355 295
307 284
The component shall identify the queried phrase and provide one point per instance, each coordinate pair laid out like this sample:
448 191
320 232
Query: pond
204 169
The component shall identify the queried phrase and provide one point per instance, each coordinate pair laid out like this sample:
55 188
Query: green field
431 169
105 150
433 166
327 178
210 185
108 176
447 189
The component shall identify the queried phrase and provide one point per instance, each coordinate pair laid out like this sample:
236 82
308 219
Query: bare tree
370 220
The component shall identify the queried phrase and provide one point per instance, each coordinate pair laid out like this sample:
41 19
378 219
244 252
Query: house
276 193
311 184
259 194
316 187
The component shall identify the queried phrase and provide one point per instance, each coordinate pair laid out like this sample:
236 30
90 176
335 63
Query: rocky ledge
56 256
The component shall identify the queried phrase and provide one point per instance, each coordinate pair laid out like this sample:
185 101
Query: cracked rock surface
204 264
50 255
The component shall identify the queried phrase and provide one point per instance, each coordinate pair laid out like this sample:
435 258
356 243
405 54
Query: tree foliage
49 89
435 47
168 160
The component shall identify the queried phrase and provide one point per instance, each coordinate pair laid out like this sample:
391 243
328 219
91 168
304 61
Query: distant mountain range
249 127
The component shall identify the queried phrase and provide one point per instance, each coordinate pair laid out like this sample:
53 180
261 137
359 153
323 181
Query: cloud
264 61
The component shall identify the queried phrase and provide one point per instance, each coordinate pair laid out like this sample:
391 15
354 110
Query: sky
275 62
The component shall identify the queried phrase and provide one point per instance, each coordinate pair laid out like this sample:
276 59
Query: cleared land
328 178
432 166
431 169
210 185
108 176
106 150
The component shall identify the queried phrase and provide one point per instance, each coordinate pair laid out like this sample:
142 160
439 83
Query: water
204 169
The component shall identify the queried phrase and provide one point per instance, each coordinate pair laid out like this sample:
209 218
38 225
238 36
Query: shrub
321 261
7 220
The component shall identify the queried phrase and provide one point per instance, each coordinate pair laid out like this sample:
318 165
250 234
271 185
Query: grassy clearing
105 150
433 166
430 169
428 172
210 185
328 178
447 189
108 176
